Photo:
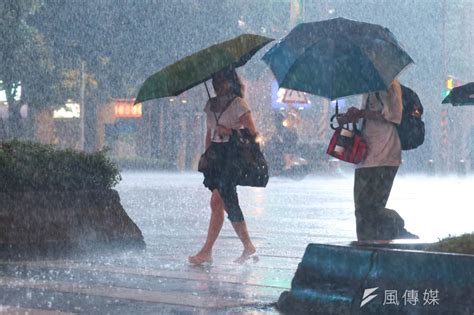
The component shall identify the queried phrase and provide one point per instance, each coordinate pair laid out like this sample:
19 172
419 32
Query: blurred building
437 34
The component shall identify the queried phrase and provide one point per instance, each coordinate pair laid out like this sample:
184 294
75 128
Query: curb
332 279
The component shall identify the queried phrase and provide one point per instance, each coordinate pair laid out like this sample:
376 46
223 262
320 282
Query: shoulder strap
225 108
380 100
377 95
367 100
366 108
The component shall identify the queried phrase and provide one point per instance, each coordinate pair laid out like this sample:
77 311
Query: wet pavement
172 210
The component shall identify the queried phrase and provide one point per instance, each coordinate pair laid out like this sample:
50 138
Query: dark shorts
221 176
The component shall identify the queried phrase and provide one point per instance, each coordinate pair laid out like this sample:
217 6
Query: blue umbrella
337 58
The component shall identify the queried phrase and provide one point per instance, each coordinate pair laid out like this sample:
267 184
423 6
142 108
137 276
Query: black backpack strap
377 95
380 100
366 106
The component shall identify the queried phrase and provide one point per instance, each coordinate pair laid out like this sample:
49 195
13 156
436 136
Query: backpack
411 129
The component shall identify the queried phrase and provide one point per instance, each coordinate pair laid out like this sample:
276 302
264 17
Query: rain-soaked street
149 91
172 211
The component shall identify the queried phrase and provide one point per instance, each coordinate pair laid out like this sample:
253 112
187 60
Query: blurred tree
25 61
123 42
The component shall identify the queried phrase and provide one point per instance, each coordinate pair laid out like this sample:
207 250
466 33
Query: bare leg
249 249
287 159
215 226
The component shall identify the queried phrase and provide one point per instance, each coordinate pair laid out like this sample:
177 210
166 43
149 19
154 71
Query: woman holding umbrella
225 112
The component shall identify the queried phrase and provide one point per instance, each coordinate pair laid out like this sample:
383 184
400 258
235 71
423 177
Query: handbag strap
222 112
227 105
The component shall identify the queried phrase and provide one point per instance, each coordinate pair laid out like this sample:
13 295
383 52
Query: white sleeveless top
230 118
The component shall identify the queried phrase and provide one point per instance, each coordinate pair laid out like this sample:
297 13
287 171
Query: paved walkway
172 211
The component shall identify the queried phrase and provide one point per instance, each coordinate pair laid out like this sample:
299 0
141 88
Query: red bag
347 145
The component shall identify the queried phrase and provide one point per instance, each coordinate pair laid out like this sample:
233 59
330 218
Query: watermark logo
368 296
391 297
409 297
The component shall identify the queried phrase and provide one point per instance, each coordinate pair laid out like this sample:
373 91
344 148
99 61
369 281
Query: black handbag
206 160
250 164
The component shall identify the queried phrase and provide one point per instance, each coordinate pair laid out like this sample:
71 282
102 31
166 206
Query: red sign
124 108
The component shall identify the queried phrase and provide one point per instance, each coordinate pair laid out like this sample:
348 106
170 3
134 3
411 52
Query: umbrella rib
374 65
305 50
393 45
333 77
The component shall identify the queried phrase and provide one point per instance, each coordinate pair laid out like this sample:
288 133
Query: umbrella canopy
461 95
337 58
200 66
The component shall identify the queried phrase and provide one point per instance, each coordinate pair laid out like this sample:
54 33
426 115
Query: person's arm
353 114
208 129
247 121
371 115
208 138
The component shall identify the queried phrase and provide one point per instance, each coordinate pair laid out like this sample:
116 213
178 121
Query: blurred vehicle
285 156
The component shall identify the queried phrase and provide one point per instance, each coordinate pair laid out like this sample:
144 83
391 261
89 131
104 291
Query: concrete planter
77 219
347 279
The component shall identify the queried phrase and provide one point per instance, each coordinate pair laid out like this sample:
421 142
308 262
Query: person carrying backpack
380 114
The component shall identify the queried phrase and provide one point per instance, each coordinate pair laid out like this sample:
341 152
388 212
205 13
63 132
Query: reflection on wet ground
172 211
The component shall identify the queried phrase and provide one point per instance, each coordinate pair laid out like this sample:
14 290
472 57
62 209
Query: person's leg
388 222
363 203
385 178
231 204
249 249
372 188
391 224
287 159
215 226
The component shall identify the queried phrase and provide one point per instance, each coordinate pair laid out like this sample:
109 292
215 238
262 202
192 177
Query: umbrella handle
335 116
354 124
207 90
332 119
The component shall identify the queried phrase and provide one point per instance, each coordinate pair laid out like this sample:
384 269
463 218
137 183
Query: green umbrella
200 66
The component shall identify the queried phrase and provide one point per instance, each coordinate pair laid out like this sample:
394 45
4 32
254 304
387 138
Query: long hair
229 74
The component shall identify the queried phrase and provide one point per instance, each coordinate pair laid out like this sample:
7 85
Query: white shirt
383 142
230 118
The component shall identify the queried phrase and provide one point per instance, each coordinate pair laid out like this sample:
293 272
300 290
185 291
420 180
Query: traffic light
450 84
